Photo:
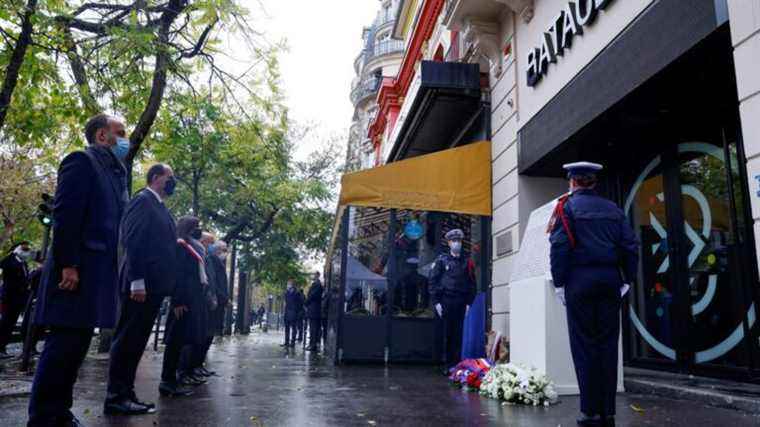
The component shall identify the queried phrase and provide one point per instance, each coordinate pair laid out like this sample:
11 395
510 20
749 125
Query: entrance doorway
674 162
681 180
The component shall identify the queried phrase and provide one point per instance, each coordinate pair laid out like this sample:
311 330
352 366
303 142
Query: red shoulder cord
559 212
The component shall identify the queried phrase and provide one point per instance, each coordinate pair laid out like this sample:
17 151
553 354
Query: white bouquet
518 384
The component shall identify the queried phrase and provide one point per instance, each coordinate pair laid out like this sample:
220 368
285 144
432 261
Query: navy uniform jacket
452 278
15 279
314 301
293 305
149 240
603 239
89 202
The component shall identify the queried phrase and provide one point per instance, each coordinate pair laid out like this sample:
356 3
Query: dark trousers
57 369
324 329
301 324
291 329
172 354
199 352
593 321
453 324
315 332
13 309
132 333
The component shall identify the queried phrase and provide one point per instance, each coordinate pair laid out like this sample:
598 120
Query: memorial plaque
533 257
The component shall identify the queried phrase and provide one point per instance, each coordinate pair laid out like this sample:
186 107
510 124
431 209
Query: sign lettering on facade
570 22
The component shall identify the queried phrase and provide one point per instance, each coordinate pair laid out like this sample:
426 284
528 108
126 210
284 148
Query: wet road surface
260 384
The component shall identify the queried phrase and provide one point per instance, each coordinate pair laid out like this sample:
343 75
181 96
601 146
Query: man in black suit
78 287
293 310
15 291
149 240
314 312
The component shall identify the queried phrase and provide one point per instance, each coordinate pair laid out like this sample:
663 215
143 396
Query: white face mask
290 286
21 253
456 246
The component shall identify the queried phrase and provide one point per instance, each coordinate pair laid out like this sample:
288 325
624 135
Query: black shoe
189 381
125 406
208 373
198 379
173 390
591 421
148 405
200 373
73 422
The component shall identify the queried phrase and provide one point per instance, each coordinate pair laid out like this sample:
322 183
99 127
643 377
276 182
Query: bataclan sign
570 22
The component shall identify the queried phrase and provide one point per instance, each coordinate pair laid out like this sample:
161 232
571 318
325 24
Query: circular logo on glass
698 227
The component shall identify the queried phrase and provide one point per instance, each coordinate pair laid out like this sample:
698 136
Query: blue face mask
211 249
121 148
170 185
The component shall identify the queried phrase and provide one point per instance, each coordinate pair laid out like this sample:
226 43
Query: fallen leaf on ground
636 407
370 422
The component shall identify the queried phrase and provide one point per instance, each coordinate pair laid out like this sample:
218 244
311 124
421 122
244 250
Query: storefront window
415 253
367 262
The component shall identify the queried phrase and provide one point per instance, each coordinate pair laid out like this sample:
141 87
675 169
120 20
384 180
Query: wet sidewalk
259 384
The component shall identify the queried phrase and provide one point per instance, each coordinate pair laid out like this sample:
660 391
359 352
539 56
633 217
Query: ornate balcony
367 87
385 47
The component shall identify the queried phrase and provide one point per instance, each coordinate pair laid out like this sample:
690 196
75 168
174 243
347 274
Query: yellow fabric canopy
456 180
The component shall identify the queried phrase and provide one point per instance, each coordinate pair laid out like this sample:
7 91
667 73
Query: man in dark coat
149 240
78 288
301 317
314 312
218 261
15 291
452 284
293 310
591 245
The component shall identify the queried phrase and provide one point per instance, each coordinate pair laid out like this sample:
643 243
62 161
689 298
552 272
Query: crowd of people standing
112 262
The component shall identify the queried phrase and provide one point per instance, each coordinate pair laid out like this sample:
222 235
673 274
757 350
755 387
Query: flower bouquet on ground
518 384
469 373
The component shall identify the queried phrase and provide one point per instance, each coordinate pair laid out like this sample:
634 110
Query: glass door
719 268
694 304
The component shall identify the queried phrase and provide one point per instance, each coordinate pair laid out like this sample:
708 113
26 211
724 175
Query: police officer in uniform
452 287
594 256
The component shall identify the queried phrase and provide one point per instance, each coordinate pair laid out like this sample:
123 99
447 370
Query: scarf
201 263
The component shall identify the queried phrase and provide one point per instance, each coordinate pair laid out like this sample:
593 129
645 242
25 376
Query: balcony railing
386 47
366 88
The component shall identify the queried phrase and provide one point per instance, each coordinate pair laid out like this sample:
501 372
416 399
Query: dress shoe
200 373
191 380
125 406
173 390
207 373
148 405
590 421
73 422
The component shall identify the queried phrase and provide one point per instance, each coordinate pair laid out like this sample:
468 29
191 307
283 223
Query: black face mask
170 185
196 234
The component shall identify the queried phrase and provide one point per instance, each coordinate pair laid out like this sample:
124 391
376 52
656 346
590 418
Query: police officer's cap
582 169
455 234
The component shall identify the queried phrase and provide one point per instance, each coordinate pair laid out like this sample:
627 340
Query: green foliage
232 154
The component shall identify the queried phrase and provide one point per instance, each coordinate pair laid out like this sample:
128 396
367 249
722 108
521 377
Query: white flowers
518 384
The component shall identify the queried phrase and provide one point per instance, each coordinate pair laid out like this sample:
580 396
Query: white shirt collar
160 200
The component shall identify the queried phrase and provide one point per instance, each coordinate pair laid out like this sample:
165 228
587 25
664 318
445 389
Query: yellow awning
456 180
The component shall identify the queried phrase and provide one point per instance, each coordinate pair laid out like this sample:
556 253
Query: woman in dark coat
188 316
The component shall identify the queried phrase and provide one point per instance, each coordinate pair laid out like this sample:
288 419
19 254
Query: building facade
378 58
665 94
